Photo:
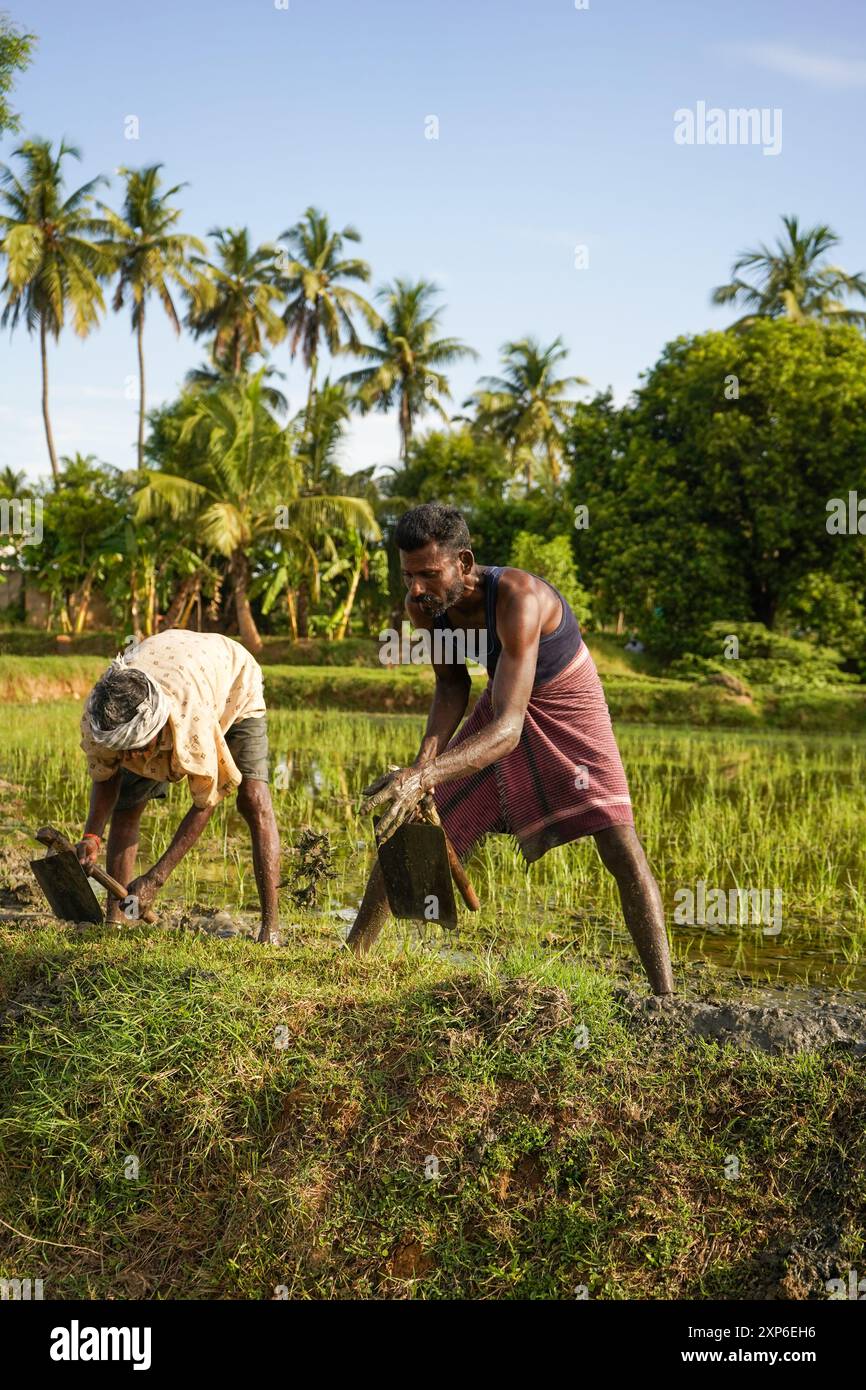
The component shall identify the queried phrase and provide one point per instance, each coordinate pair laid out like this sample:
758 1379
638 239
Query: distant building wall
11 585
36 605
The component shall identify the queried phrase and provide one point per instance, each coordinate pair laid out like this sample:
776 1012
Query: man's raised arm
519 624
450 697
520 632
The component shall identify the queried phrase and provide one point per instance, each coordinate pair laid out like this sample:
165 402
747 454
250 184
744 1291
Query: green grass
761 810
303 1165
631 695
154 1051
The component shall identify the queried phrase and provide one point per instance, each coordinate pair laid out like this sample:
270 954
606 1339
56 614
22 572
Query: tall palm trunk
303 608
186 593
150 615
311 394
405 421
140 336
81 604
49 436
240 572
293 616
134 615
350 599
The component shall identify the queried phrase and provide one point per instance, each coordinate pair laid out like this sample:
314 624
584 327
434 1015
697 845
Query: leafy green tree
407 358
16 54
236 298
552 560
707 498
453 464
152 256
323 556
793 281
832 611
81 520
321 304
526 407
321 427
53 264
13 483
214 375
244 485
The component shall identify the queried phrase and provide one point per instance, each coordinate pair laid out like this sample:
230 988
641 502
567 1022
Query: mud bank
805 1021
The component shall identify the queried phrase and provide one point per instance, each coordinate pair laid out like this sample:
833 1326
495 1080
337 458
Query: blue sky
556 130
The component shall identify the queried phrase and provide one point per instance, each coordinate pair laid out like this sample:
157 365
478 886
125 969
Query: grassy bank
278 1112
631 697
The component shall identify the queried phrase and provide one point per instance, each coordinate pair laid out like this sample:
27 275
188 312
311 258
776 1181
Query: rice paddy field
459 1115
764 811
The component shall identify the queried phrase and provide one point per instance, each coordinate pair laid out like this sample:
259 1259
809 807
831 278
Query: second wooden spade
67 887
417 873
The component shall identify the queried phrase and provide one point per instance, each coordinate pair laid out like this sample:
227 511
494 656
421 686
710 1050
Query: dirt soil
796 1021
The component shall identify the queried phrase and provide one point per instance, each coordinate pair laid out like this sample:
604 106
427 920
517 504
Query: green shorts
247 742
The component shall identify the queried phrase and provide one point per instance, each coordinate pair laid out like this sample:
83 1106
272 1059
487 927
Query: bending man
537 756
180 704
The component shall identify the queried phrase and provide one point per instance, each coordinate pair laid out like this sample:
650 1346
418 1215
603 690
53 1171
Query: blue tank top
555 650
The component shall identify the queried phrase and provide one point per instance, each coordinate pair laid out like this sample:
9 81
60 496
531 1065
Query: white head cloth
148 719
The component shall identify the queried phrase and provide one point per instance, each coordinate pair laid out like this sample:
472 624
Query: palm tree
53 267
12 482
526 408
407 356
246 476
320 432
791 282
214 374
151 256
235 299
320 307
16 54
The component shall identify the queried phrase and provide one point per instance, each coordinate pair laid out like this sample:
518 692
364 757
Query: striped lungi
563 780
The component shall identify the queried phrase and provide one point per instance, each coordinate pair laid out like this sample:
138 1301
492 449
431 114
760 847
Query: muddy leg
372 914
622 853
257 809
121 852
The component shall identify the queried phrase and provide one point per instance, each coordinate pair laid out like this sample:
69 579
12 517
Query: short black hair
117 696
433 522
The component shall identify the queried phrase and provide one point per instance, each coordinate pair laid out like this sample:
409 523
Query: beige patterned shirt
211 682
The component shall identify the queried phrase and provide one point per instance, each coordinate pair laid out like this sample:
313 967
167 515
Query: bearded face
434 578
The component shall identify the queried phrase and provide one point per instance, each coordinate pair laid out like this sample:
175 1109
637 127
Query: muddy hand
382 781
87 853
402 795
139 895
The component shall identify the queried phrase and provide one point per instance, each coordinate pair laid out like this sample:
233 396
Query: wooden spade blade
417 874
67 887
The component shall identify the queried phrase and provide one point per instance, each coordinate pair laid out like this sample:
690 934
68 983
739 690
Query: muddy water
317 779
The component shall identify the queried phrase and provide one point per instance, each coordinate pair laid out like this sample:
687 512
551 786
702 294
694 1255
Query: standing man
180 704
537 756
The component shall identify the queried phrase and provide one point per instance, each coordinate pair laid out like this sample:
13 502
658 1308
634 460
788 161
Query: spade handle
458 873
47 835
